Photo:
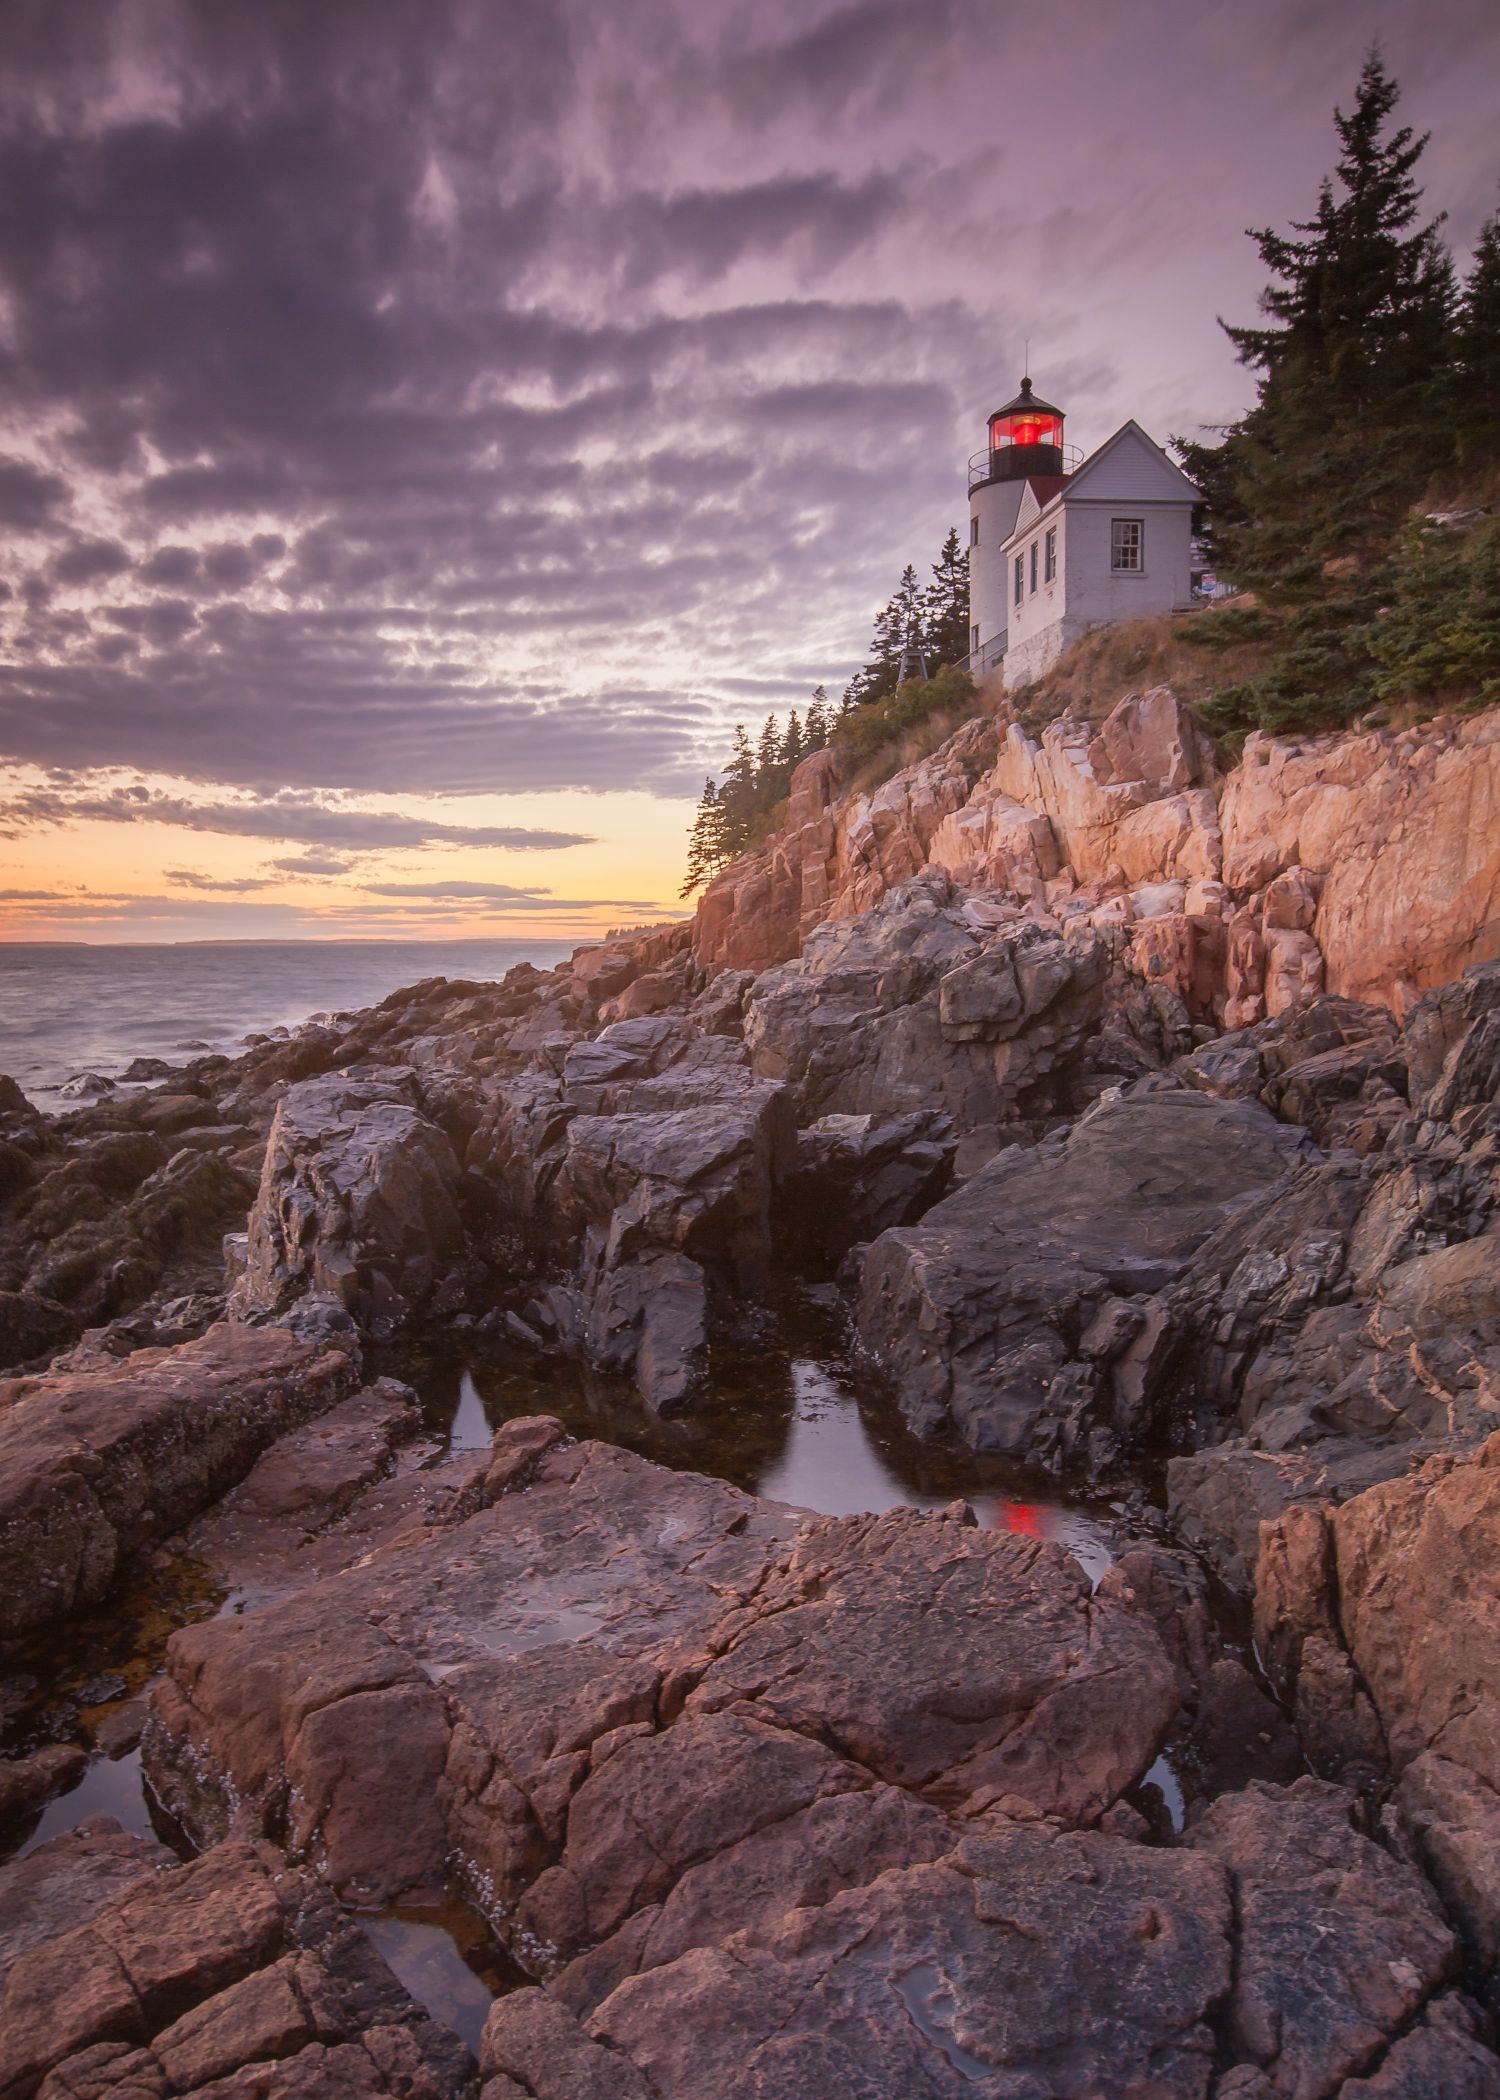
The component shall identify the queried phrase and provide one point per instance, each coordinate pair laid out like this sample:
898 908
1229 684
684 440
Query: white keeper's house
1059 544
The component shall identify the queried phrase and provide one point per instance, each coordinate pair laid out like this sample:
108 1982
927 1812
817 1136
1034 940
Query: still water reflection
793 1418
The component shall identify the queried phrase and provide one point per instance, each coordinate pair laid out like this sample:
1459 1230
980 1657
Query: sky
427 425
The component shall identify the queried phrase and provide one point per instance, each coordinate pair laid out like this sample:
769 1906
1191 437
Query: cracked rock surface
123 1972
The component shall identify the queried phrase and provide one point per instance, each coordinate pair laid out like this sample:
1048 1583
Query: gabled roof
1182 486
1062 489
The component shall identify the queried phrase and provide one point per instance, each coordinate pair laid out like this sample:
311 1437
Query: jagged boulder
640 1173
1347 1322
921 1004
1379 1615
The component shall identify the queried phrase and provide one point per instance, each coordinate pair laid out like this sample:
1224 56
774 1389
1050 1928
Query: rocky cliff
1144 1123
1366 865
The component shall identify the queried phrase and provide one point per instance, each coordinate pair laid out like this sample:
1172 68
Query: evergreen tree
819 722
1348 423
878 675
708 841
946 608
767 762
1477 352
793 745
911 622
737 794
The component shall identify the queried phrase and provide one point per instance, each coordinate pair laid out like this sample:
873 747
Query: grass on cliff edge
1194 653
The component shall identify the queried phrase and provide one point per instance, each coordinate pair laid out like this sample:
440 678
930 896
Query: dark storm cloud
90 561
292 817
28 498
489 395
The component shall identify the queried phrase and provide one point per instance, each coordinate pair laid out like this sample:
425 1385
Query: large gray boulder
357 1202
1023 1309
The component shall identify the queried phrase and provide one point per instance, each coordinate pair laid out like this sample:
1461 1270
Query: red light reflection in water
1022 1516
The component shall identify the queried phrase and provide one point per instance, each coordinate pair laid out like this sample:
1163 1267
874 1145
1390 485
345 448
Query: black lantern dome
1026 438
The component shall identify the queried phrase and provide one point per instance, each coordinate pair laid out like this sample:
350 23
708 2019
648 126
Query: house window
1126 546
973 641
1020 578
974 530
1033 565
1049 565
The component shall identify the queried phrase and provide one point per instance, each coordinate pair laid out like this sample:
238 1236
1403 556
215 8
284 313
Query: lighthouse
1058 545
1025 450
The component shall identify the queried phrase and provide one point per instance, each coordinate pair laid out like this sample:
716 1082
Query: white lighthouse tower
1025 450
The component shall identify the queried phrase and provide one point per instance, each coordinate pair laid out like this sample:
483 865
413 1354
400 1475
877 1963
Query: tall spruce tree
737 794
946 609
878 675
819 720
1349 421
767 762
1477 354
911 617
708 843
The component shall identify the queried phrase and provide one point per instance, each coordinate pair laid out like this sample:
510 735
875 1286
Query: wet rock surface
1032 1959
604 1635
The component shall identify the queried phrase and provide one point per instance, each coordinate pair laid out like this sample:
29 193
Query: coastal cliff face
1143 1125
1366 865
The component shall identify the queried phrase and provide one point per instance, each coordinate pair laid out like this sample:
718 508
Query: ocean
68 1009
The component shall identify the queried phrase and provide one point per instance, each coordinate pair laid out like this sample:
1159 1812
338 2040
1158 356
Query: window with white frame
1127 546
1049 559
974 530
1020 578
1033 565
973 641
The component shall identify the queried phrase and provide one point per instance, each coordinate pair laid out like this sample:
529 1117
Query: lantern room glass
1026 426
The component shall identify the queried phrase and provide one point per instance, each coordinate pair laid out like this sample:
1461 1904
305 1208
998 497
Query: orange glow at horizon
92 879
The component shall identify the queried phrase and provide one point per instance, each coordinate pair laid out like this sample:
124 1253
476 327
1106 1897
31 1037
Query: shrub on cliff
1439 638
949 693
